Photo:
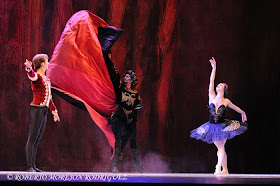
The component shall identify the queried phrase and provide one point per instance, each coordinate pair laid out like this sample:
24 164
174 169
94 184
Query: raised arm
211 91
237 109
114 75
30 73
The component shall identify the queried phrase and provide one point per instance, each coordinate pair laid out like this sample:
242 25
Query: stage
106 177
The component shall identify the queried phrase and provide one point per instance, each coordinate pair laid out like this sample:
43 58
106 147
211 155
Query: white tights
221 167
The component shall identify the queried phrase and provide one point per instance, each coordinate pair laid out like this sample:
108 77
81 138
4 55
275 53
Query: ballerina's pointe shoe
219 173
217 170
224 172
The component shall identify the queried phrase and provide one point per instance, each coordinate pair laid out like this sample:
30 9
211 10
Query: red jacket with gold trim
41 88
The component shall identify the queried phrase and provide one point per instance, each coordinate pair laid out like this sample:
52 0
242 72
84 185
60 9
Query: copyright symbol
9 176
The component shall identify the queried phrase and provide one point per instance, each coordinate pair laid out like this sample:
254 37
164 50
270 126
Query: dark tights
38 121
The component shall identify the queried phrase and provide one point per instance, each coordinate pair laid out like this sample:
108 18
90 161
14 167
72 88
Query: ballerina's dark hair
225 89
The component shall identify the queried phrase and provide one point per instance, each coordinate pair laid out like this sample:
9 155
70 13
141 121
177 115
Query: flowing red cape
77 69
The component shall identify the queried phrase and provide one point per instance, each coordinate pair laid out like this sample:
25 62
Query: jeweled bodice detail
219 116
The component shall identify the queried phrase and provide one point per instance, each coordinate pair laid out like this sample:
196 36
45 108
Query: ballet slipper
217 170
224 172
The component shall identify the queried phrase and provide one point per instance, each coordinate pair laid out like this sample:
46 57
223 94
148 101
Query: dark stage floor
188 178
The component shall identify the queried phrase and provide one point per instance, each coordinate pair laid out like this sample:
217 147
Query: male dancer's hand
28 64
55 117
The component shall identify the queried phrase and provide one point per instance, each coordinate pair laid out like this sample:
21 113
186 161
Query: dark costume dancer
218 129
124 119
42 101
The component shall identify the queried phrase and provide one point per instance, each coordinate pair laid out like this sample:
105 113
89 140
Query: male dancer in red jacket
42 101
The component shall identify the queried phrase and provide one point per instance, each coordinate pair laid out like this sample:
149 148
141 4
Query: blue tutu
209 132
218 128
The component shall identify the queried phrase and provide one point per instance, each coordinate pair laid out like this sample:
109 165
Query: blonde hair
38 59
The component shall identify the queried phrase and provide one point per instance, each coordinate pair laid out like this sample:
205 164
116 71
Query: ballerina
218 129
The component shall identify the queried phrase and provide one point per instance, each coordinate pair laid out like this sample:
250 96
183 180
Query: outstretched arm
211 91
30 73
237 109
114 75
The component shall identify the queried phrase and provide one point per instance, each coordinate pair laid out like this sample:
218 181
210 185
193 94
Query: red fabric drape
77 68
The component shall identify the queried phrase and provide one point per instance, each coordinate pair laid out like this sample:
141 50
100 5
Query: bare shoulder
227 102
